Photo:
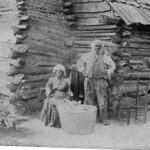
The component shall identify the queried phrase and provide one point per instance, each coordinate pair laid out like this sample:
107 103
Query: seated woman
57 91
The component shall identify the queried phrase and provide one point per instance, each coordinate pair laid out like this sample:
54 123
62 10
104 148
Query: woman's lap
49 113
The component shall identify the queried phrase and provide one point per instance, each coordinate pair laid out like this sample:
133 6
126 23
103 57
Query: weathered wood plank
36 78
91 7
11 79
134 75
87 43
96 35
97 27
42 46
93 31
139 45
84 1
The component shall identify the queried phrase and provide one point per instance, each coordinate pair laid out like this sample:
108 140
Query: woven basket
78 122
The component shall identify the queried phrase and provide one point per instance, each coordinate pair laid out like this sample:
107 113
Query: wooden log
136 61
44 52
23 19
11 79
91 7
142 54
76 32
137 40
21 12
17 31
14 54
85 1
20 38
49 64
13 71
131 82
87 43
44 45
88 21
17 63
36 78
108 19
93 15
44 16
29 70
35 84
107 38
21 7
137 49
134 75
51 41
56 27
20 3
97 27
20 27
96 35
51 7
47 33
139 45
133 88
138 67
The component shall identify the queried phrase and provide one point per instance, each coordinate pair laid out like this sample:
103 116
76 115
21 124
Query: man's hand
109 73
73 67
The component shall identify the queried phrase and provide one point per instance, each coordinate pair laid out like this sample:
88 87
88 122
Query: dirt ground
30 131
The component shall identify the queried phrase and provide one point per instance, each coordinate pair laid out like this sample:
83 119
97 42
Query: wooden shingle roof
132 11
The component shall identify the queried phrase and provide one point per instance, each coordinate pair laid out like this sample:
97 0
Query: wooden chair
138 102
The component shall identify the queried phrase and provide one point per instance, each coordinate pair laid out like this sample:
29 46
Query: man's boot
105 122
104 117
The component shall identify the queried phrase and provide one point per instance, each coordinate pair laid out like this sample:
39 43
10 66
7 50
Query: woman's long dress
59 92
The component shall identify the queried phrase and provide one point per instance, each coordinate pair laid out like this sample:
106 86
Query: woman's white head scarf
59 67
96 42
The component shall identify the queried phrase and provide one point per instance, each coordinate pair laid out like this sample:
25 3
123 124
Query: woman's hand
47 92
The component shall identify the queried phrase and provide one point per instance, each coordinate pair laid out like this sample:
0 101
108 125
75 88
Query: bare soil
30 131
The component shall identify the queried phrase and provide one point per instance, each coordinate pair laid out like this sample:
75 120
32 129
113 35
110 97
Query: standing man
96 67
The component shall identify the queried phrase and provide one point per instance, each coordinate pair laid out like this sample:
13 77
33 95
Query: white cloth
59 67
85 63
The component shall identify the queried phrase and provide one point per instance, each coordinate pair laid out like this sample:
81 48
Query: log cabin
37 34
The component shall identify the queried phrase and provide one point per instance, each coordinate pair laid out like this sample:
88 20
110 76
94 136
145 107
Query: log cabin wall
133 55
133 35
44 33
89 24
47 38
42 40
98 19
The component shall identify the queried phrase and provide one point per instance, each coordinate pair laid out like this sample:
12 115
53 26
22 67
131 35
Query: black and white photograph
75 74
